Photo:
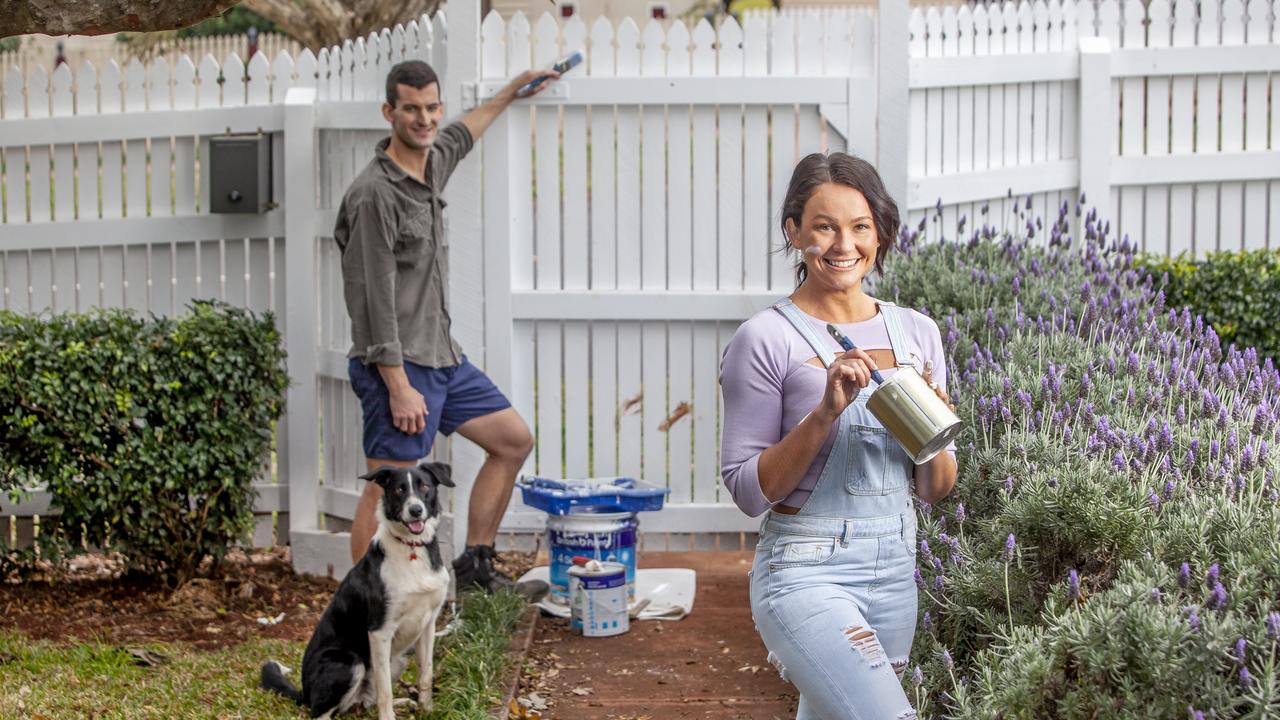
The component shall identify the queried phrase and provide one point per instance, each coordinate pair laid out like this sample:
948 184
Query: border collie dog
387 604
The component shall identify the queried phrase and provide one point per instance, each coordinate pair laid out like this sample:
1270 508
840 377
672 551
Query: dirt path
708 665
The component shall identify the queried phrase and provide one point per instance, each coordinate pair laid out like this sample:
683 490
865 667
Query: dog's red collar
413 555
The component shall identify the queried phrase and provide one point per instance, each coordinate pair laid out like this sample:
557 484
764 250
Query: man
410 374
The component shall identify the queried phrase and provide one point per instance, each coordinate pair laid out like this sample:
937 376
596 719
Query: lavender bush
1111 547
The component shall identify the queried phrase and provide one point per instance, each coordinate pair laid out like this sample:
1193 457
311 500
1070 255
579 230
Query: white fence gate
608 236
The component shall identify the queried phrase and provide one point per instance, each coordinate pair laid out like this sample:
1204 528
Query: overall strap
805 328
897 335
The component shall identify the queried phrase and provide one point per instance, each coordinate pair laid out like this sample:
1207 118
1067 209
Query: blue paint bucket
607 537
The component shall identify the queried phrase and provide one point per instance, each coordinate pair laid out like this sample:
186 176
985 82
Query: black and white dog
385 605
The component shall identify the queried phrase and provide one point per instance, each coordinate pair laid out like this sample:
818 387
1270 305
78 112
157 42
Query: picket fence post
302 448
893 104
1097 121
466 252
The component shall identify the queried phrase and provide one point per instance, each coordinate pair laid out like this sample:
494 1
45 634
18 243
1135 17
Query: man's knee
515 445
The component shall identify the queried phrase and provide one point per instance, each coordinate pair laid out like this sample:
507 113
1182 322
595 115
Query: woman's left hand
942 394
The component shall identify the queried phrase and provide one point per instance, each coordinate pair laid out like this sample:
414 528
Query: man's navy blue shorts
454 395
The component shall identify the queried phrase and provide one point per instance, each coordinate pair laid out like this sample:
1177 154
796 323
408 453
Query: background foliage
1237 293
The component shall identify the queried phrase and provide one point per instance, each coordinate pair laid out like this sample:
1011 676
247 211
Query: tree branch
98 17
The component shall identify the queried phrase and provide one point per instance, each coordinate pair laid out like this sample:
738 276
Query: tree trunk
98 17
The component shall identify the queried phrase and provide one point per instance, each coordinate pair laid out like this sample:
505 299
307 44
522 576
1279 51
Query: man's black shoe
474 570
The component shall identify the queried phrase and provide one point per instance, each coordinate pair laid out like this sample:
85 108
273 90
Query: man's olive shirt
395 257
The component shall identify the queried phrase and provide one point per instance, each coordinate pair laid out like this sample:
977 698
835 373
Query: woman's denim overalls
832 587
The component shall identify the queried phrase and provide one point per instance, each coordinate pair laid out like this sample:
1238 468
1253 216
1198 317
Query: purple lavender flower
960 516
937 565
1241 646
1008 484
1193 619
1194 714
1155 596
1009 546
917 677
1073 586
1154 501
1273 626
1246 680
1168 487
925 553
1218 598
1211 577
1184 576
928 621
919 579
947 662
937 583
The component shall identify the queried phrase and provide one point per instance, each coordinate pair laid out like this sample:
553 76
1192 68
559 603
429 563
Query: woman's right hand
848 374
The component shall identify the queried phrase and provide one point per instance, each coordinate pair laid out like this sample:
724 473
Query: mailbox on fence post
240 173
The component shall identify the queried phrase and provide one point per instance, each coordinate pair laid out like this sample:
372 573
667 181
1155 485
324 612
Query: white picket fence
609 234
1176 142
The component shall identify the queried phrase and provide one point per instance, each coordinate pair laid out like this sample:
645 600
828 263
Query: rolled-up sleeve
372 245
751 382
448 150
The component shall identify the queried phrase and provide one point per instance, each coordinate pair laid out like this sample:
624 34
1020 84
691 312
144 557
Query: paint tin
914 414
607 537
598 599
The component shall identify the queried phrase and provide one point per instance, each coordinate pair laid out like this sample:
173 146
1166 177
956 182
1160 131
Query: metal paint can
598 599
914 414
607 537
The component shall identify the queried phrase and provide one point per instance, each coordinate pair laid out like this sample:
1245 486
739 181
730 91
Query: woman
832 587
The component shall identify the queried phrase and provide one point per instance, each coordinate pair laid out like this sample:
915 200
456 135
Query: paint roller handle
847 344
561 66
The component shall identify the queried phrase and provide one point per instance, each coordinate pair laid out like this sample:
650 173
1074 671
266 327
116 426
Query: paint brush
847 344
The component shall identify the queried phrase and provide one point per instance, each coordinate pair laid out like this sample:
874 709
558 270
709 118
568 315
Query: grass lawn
96 680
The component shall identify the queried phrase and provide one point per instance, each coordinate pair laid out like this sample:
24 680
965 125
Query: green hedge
147 432
1237 293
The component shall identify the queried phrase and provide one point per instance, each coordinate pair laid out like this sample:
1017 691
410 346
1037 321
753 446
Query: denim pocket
877 463
799 551
868 459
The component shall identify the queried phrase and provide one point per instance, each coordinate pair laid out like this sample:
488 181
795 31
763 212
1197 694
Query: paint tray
590 495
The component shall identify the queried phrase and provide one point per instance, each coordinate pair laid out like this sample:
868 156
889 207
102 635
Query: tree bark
98 17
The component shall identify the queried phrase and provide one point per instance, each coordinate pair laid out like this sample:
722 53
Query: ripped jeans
835 602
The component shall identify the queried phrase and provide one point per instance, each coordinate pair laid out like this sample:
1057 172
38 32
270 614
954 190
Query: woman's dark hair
818 169
414 73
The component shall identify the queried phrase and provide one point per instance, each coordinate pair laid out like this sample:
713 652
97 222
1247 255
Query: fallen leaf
146 658
581 691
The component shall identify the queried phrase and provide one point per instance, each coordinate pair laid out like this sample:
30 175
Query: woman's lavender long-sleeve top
769 386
